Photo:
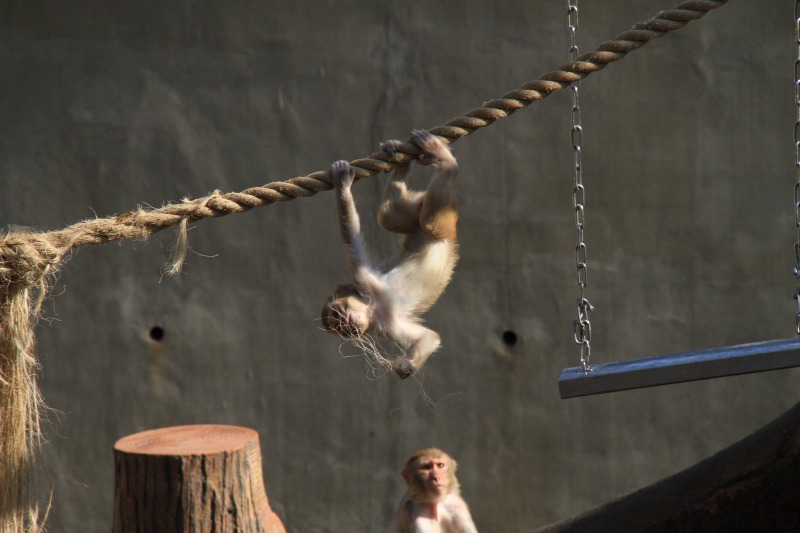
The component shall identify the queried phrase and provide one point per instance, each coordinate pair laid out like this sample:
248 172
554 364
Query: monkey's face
430 475
434 475
348 316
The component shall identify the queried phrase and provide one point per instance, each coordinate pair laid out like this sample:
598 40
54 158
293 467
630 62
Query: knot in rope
25 258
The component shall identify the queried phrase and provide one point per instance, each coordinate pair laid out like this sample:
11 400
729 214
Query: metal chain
797 162
582 327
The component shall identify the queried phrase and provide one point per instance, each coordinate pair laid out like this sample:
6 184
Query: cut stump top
201 439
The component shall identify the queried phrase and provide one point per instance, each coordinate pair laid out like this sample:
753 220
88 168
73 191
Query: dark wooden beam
753 485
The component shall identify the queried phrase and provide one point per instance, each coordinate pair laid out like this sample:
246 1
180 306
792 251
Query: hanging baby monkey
387 300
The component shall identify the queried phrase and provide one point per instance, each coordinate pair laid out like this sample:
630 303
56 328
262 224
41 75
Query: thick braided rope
25 256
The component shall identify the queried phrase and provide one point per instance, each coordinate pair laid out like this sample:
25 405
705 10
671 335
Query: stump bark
191 479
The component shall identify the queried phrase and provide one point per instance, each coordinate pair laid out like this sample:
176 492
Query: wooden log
753 485
191 479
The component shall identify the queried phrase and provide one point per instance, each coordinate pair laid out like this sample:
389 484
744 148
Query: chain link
797 162
582 327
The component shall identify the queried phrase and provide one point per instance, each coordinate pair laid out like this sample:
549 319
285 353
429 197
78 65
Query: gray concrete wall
689 169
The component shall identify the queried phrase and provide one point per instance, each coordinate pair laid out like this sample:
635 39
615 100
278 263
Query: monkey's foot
391 147
406 369
342 174
431 146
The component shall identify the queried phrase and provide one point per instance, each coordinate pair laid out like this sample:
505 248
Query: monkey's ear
326 312
406 473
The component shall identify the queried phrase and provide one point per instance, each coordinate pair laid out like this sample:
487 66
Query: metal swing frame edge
679 367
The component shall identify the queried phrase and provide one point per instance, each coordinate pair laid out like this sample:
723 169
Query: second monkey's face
434 474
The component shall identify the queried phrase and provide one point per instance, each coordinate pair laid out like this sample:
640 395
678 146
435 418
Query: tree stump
191 479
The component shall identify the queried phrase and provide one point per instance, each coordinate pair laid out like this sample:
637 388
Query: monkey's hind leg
434 151
400 207
421 342
439 214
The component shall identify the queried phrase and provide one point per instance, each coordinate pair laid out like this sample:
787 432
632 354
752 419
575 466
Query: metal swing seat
679 367
682 367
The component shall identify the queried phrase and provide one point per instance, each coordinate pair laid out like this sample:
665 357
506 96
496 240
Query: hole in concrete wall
509 338
157 333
